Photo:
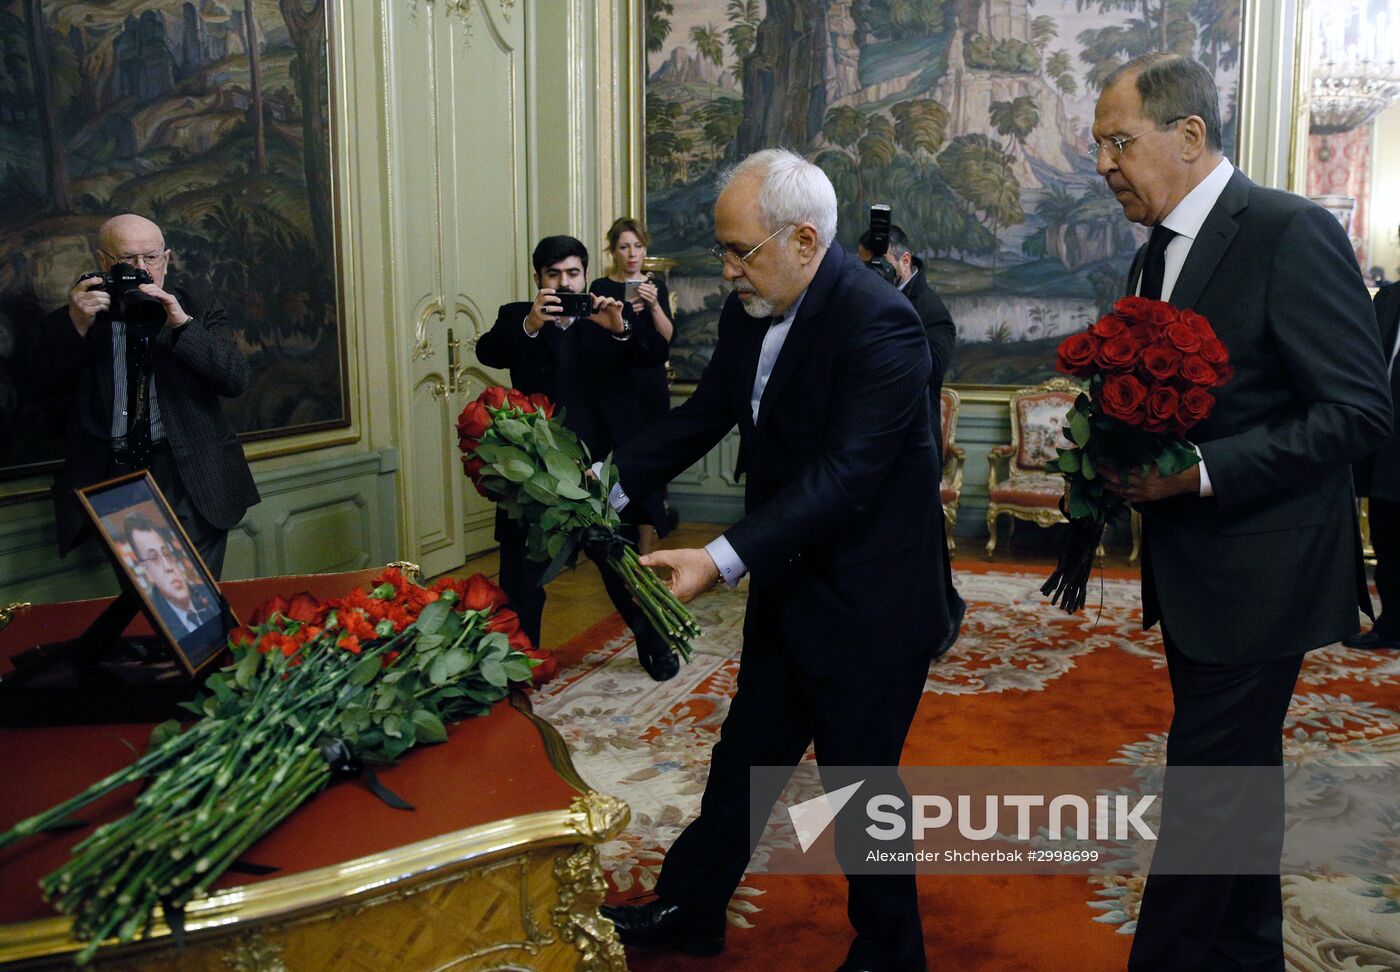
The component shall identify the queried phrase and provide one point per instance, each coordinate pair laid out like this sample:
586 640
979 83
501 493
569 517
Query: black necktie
138 400
1154 262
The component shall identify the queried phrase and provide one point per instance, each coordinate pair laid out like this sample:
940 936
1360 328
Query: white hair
792 190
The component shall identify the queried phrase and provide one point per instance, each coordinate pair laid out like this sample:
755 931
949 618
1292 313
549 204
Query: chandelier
1356 73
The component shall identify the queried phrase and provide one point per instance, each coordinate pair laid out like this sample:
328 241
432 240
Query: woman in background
646 304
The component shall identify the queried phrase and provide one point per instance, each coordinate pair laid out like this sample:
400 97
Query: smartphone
575 305
632 290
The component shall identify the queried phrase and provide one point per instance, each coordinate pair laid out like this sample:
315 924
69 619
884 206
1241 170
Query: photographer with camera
580 350
138 370
884 248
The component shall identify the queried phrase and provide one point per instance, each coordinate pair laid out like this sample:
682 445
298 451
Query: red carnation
1076 355
242 636
482 595
1182 337
1118 354
1196 404
350 643
1195 370
1132 309
1161 363
493 397
1108 327
543 404
474 421
1123 397
1162 404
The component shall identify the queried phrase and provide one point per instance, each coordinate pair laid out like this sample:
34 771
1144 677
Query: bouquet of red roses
1150 370
518 454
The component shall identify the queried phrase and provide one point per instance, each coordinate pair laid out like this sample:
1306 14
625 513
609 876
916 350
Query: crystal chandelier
1356 73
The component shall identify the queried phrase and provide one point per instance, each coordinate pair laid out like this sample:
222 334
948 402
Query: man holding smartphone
579 350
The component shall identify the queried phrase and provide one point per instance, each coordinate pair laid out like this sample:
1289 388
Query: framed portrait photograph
161 567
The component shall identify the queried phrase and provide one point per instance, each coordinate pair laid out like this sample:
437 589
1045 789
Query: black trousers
856 719
1225 715
209 540
1385 538
520 579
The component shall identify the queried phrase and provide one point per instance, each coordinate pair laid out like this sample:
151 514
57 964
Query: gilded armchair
950 487
1024 490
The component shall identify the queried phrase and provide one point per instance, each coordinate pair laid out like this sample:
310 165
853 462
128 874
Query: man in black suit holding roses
824 369
1252 557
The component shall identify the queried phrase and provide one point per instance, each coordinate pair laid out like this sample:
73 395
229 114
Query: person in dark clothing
587 367
646 304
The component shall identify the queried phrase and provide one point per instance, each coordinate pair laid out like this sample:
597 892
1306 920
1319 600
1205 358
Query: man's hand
175 315
85 302
1145 487
693 570
607 314
545 310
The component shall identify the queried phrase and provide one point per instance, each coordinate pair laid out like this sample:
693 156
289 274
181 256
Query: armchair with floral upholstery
950 487
1025 491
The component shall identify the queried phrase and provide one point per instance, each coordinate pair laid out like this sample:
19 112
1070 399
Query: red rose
1223 373
1161 363
1144 334
1182 337
1160 313
1132 309
517 399
1195 370
1076 355
1108 327
305 608
1213 350
1118 354
493 397
482 595
520 641
1162 403
1195 405
466 445
268 609
543 404
1123 397
505 620
474 421
1196 323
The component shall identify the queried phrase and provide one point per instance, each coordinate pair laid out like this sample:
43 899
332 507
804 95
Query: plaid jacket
193 367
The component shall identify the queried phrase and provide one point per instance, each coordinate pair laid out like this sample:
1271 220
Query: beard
755 306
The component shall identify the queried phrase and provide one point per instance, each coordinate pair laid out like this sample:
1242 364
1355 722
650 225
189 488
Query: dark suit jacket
599 400
193 367
1271 564
1378 475
938 328
841 530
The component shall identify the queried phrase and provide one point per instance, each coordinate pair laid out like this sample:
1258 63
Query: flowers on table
519 454
1151 368
313 687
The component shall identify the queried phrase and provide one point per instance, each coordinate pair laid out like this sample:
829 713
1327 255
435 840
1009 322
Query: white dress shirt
1186 220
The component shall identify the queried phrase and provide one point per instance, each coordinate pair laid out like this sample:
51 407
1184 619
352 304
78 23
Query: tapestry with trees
969 117
211 117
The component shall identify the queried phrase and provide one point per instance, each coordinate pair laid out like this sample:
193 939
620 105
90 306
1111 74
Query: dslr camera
143 314
880 244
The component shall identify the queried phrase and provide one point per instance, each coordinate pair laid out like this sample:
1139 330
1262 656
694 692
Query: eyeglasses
725 255
155 556
1116 145
139 259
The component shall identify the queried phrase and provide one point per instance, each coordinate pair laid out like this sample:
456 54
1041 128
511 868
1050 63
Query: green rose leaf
437 671
514 430
518 668
365 670
1069 462
431 618
494 672
247 668
1079 428
571 491
1086 468
429 727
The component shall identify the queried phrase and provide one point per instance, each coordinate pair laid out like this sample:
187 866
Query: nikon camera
143 314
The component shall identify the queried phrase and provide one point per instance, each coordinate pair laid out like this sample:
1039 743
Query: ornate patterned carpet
1024 686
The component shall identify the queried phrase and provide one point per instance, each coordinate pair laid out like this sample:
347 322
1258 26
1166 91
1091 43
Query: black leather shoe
955 629
657 658
1371 640
657 924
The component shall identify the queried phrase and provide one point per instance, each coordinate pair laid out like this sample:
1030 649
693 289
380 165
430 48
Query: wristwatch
626 331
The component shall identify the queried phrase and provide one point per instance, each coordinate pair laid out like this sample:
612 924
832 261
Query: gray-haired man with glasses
135 400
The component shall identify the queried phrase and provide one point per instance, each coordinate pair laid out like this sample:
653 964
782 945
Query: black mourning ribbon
336 752
138 385
598 542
